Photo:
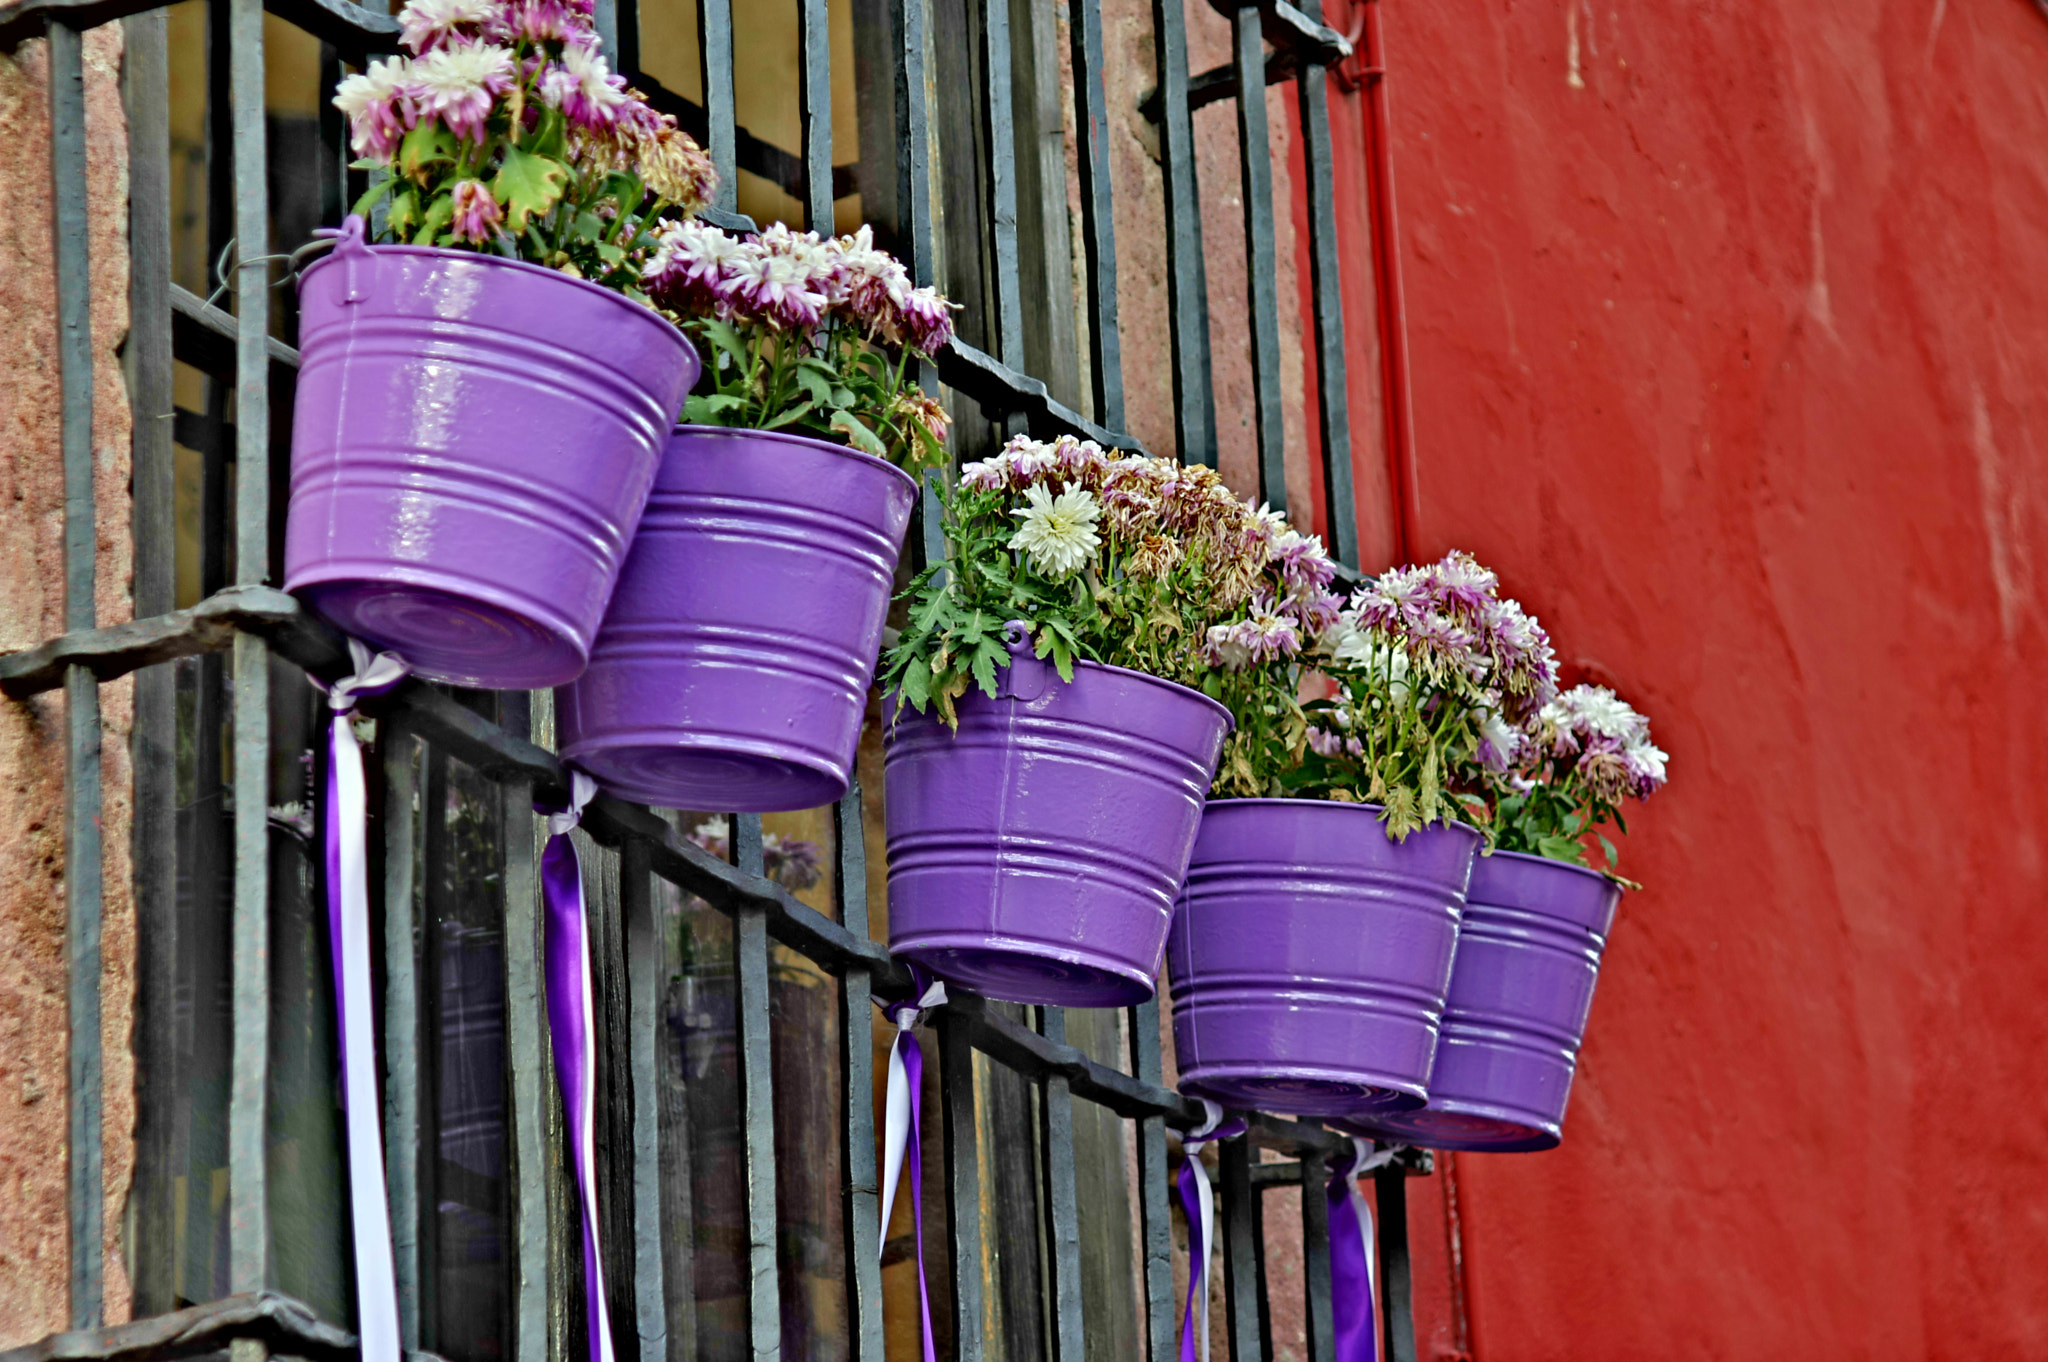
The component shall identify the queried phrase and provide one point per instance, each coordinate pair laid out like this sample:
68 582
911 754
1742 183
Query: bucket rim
1532 858
894 712
641 310
1455 825
790 437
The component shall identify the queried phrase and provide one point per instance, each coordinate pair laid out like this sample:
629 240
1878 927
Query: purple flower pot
1034 855
471 450
733 668
1310 956
1521 987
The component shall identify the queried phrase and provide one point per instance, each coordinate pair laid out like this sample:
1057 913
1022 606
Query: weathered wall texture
33 1257
1731 352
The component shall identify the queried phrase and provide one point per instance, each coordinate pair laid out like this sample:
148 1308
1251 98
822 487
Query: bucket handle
354 254
1025 677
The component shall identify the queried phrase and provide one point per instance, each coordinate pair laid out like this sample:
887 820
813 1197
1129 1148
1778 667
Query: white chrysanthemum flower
1058 531
1500 742
1383 662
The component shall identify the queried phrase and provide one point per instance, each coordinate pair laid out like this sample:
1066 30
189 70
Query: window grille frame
251 622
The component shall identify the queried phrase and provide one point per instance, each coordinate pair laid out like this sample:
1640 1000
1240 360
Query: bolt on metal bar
957 1099
1187 285
248 1102
82 849
1261 262
863 1190
1092 124
757 1100
714 53
399 753
1155 1220
814 111
1243 1239
1333 399
1063 1215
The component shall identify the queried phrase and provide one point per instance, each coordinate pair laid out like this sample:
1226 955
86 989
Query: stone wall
33 1261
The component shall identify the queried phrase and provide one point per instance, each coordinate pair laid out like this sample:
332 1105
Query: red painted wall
1730 329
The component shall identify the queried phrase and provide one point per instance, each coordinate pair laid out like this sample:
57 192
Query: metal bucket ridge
1034 855
473 441
1310 956
1521 990
733 667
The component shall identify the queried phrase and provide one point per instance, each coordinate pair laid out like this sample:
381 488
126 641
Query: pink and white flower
379 106
477 214
460 85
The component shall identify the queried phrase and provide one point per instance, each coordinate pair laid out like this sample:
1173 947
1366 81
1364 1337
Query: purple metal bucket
1521 987
471 450
733 668
1035 854
1310 956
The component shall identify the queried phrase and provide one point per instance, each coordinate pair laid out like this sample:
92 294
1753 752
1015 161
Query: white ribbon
896 1103
376 1278
1191 1145
1365 1160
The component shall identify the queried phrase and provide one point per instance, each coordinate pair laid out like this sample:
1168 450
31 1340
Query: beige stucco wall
33 1261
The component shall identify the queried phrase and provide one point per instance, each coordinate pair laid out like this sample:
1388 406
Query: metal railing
252 623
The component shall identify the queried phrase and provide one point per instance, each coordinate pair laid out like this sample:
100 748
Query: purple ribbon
1351 1255
343 814
1198 1201
902 1136
572 1034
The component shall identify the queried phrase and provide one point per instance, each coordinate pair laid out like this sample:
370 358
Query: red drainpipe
1393 319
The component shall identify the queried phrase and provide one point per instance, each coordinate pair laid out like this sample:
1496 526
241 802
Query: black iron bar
1242 1239
998 130
1092 131
1187 286
146 358
1002 390
971 1274
1063 1216
1333 401
647 1033
357 31
399 754
863 1190
1261 263
248 1100
82 850
1154 1218
527 1058
1397 1288
1318 1317
757 1099
814 112
288 1325
714 54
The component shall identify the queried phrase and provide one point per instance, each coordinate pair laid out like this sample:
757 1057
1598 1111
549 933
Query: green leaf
428 144
917 686
722 334
403 213
794 414
858 435
373 193
528 184
549 137
817 385
707 409
438 215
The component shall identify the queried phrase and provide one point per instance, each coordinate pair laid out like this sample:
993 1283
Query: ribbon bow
901 1131
1199 1202
572 1034
1351 1254
348 927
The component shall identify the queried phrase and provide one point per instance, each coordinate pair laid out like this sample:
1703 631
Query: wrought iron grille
234 662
